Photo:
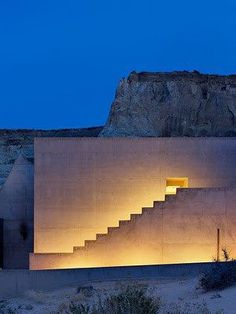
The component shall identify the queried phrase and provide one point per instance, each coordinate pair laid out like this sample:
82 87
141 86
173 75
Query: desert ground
176 297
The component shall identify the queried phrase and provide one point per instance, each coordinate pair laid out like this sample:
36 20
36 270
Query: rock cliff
148 104
173 104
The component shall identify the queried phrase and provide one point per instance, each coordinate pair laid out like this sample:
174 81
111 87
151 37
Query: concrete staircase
100 237
181 229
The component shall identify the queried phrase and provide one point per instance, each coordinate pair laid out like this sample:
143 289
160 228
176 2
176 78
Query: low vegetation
79 309
133 300
221 276
130 300
140 298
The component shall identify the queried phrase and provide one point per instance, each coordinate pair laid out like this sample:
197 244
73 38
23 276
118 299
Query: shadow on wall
16 212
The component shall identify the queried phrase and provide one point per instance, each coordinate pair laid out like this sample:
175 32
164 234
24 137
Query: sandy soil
177 297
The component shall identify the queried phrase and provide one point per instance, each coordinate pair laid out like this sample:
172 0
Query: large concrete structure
102 202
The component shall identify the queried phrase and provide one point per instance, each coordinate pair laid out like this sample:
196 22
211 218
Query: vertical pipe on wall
218 245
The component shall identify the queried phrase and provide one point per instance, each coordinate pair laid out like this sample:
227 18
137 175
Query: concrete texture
18 282
14 142
17 190
84 186
183 229
16 210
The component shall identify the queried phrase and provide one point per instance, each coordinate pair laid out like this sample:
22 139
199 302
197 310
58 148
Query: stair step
100 235
157 204
123 222
111 229
146 209
78 248
170 197
89 243
134 216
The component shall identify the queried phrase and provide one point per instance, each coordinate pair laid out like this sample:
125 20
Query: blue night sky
61 60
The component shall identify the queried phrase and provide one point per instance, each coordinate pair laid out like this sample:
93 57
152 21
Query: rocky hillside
14 141
173 104
148 104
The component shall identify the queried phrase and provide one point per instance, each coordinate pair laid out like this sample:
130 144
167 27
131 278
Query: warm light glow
165 234
84 187
175 183
114 208
123 256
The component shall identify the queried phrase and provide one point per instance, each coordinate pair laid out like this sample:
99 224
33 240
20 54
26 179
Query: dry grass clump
221 276
130 300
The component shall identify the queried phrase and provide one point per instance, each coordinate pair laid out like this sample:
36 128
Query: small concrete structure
101 202
16 214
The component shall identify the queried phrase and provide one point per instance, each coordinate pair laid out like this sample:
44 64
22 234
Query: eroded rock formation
173 104
148 104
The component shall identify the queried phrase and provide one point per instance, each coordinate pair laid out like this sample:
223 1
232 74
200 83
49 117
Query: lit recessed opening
175 183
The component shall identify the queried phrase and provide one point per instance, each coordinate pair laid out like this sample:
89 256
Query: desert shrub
130 300
226 255
87 291
220 276
79 309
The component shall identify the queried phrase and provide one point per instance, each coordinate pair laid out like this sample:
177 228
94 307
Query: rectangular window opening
175 183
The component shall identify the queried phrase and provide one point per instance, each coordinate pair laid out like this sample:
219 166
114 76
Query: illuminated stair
181 229
123 223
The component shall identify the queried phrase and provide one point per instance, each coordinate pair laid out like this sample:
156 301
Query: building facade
113 201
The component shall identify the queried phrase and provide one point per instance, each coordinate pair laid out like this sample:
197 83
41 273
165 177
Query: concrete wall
16 210
85 185
183 229
16 246
17 282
